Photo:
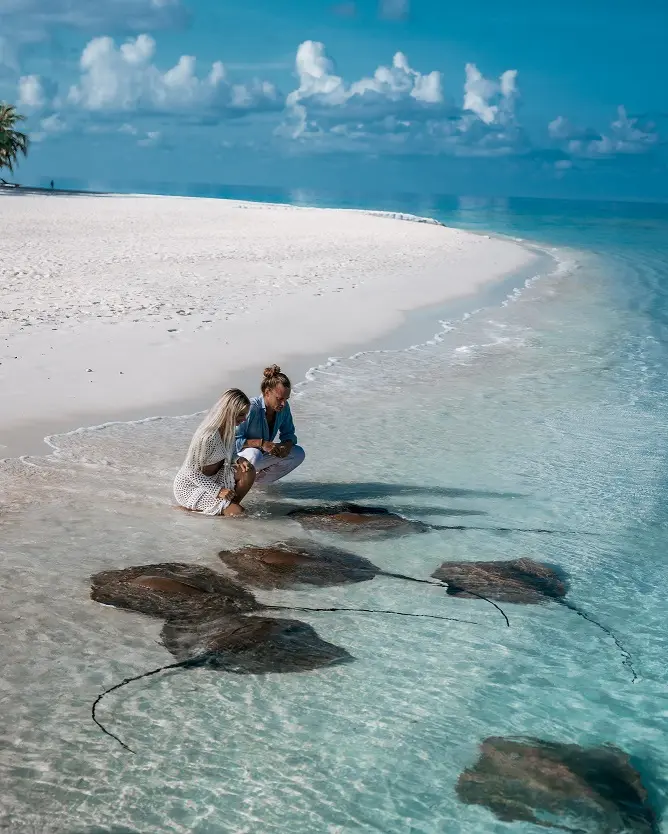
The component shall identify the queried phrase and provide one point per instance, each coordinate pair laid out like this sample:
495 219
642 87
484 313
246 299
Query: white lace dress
196 491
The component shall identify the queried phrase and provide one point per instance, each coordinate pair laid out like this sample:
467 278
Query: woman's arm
212 469
210 484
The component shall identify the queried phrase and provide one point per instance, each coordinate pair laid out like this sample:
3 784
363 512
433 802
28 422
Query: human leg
271 470
243 481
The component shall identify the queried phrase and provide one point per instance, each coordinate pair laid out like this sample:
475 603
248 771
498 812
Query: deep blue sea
544 406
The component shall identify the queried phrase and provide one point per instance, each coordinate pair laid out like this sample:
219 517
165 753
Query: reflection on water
543 413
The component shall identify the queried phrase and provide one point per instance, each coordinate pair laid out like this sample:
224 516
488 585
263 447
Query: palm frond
13 143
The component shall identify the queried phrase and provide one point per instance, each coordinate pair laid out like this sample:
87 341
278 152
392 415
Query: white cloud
126 79
323 101
31 92
35 20
49 126
150 140
399 109
625 135
560 128
493 102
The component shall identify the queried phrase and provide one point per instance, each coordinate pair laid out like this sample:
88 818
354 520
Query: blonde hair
221 418
272 377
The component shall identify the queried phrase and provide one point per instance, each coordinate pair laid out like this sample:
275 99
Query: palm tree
12 141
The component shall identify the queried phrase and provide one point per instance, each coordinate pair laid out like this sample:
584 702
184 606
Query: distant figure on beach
52 185
268 418
210 481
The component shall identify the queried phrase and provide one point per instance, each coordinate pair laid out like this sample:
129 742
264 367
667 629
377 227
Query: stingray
563 786
353 519
171 590
377 522
245 645
519 581
286 565
252 645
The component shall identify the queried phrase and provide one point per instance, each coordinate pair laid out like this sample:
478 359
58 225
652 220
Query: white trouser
270 468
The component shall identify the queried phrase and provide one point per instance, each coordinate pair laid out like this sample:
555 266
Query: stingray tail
445 585
180 665
367 611
541 530
626 655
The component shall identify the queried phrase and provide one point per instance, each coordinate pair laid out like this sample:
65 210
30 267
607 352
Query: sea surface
544 406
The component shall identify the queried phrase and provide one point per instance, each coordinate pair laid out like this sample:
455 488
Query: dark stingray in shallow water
252 645
519 581
353 519
173 591
244 645
375 522
286 565
564 786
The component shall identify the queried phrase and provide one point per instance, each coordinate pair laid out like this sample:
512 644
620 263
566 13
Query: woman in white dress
212 480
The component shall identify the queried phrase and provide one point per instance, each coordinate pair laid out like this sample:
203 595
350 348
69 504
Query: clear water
546 410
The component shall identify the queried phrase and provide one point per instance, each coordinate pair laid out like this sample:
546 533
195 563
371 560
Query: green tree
13 143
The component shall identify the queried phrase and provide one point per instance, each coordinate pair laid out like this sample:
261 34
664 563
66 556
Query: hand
282 450
226 495
268 447
242 465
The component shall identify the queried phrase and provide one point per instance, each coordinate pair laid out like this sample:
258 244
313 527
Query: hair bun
271 371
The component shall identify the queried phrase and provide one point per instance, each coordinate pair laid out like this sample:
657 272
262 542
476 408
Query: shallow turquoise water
546 410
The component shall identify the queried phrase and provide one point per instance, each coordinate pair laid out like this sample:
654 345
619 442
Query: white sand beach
115 307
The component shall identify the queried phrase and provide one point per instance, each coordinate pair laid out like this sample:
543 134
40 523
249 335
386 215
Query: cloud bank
125 78
397 109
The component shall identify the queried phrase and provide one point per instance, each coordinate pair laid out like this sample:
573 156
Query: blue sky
500 98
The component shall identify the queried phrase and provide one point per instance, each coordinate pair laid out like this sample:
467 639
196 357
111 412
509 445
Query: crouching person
269 420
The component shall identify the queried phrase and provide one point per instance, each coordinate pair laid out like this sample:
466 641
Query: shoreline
377 312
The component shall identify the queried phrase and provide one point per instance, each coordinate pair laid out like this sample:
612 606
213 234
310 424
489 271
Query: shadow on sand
340 491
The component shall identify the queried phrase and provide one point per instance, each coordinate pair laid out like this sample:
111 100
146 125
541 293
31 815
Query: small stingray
375 522
563 786
173 590
520 581
353 519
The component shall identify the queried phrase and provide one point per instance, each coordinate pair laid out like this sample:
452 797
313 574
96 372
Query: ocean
541 406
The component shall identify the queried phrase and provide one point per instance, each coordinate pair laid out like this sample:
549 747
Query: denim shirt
256 427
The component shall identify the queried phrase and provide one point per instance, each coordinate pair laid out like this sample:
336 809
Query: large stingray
520 581
377 522
353 519
240 644
171 590
286 565
586 790
252 645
